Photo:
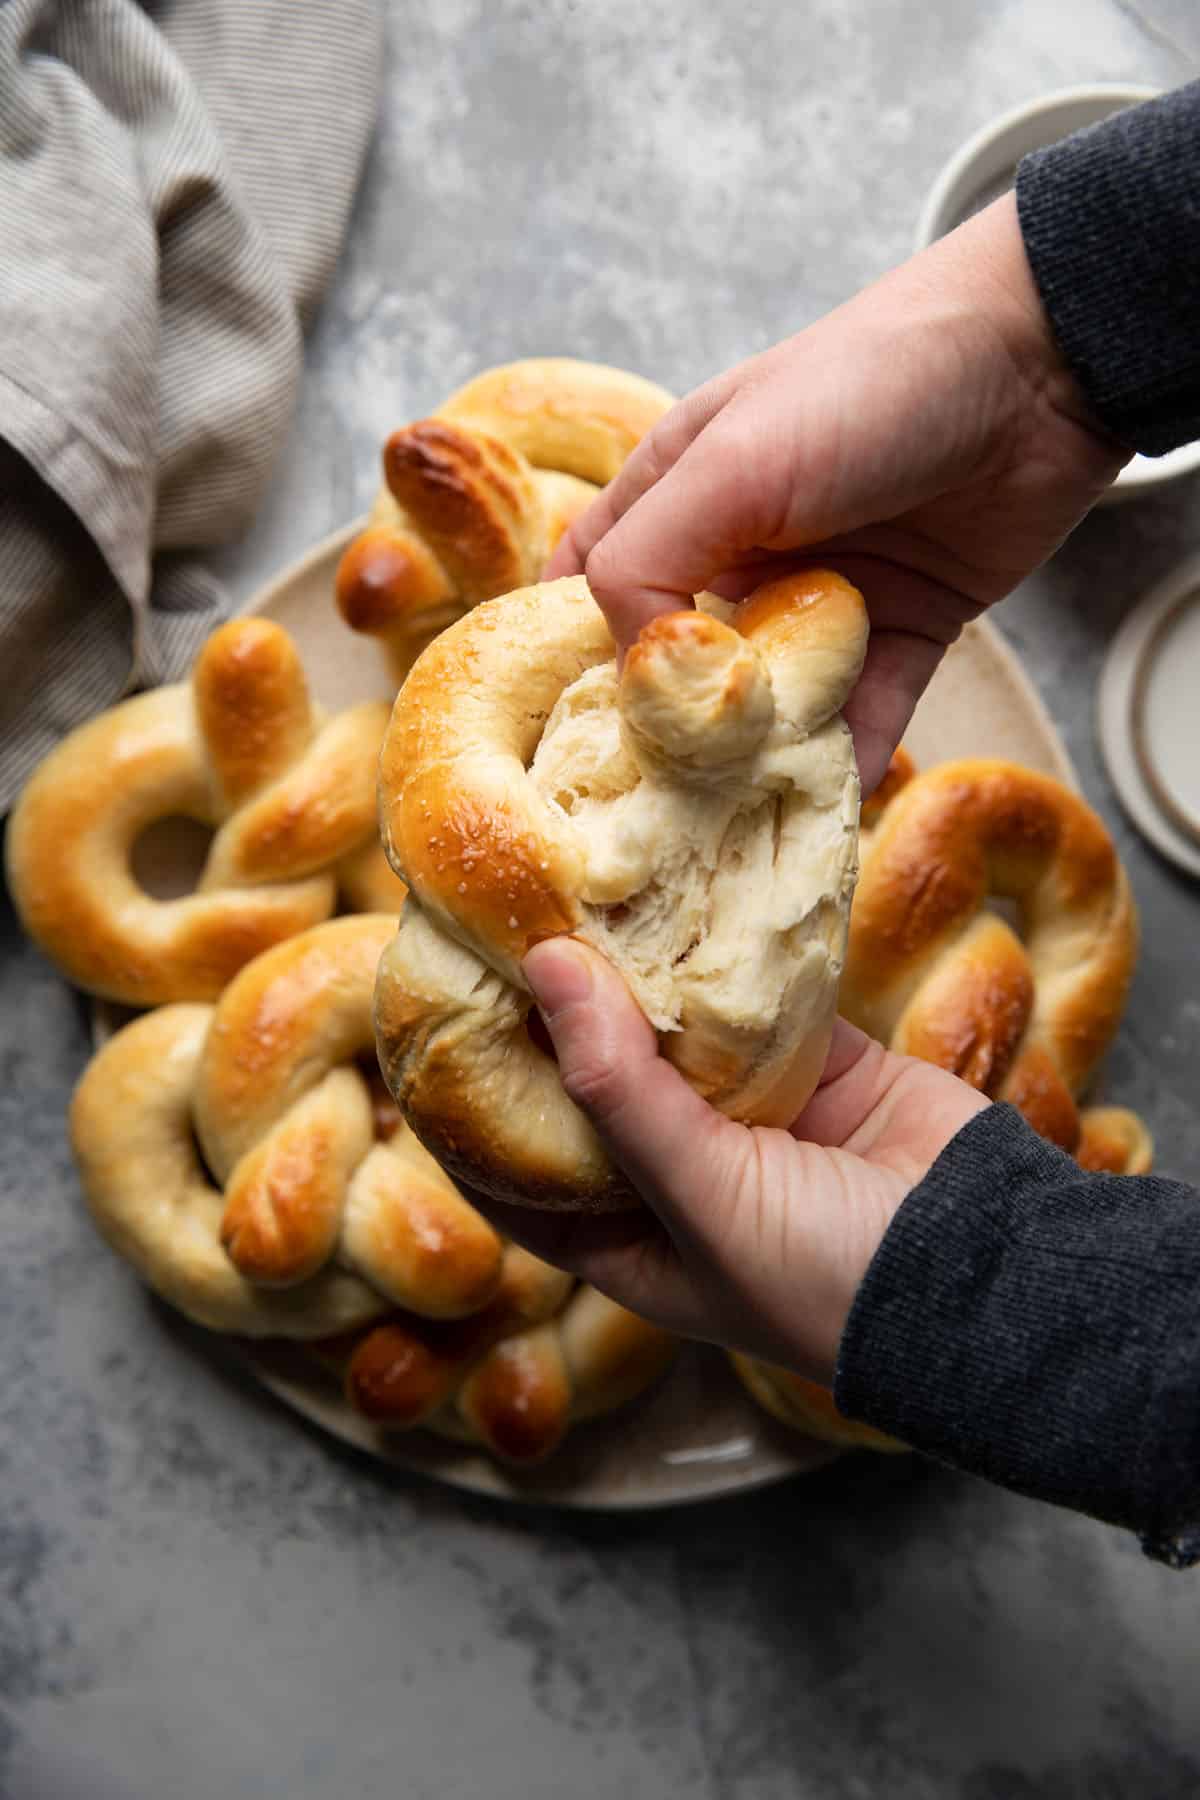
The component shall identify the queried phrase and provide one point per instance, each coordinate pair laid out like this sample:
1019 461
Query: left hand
752 1237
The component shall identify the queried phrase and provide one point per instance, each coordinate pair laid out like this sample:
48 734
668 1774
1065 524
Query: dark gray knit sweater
1021 1319
1111 222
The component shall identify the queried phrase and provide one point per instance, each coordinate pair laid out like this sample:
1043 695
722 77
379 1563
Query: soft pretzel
1114 1141
693 819
241 748
367 882
477 496
807 1406
299 1222
933 973
545 1354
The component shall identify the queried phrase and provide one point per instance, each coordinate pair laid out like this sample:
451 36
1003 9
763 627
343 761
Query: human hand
925 439
752 1237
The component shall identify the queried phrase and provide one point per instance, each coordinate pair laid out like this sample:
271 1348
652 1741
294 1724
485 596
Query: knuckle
603 563
660 449
595 1087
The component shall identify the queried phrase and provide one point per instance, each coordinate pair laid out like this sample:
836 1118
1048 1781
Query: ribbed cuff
1040 1326
1111 223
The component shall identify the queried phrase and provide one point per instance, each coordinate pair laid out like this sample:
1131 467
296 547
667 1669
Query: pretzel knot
240 748
299 1222
694 820
934 973
476 497
545 1354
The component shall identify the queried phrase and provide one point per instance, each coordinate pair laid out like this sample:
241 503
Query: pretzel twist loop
240 748
934 973
299 1222
545 1354
476 497
316 1212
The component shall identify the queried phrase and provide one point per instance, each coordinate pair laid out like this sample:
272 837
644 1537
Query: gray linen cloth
175 179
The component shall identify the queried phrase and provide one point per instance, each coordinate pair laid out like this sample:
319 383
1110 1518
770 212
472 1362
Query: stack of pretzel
235 1143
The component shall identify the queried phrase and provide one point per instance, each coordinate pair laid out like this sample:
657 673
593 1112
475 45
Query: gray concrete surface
201 1598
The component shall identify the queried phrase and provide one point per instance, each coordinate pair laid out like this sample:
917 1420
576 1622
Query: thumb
657 1129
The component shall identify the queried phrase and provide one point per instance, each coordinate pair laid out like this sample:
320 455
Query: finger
660 450
720 501
914 618
851 1081
899 666
864 1087
669 1141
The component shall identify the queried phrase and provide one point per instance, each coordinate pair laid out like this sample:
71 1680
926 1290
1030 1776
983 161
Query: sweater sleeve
1111 223
1040 1326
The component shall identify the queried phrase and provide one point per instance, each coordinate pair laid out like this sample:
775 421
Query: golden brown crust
973 1010
461 824
252 704
437 1249
693 692
543 1355
518 1399
300 1195
283 1203
486 862
808 1407
303 1004
808 611
612 1354
155 1203
898 774
934 975
472 500
560 413
402 1371
368 883
1113 1140
723 775
452 1042
478 495
311 814
287 1123
240 749
385 577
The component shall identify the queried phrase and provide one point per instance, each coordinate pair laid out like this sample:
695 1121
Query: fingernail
559 974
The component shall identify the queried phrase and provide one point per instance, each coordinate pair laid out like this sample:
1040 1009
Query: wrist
987 256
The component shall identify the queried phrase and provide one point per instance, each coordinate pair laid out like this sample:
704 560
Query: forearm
1040 1326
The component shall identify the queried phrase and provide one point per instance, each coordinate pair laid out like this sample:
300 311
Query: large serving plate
698 1435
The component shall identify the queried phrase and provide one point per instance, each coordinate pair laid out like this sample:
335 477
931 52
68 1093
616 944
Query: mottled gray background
201 1598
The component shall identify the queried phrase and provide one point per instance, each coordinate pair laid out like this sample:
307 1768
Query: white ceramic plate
698 1435
1146 715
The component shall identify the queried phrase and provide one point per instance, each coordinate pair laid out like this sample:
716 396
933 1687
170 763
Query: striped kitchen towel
175 179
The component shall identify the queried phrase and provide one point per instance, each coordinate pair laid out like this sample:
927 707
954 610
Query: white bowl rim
990 139
985 156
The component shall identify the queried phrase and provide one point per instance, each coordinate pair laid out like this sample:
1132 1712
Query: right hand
925 438
751 1236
